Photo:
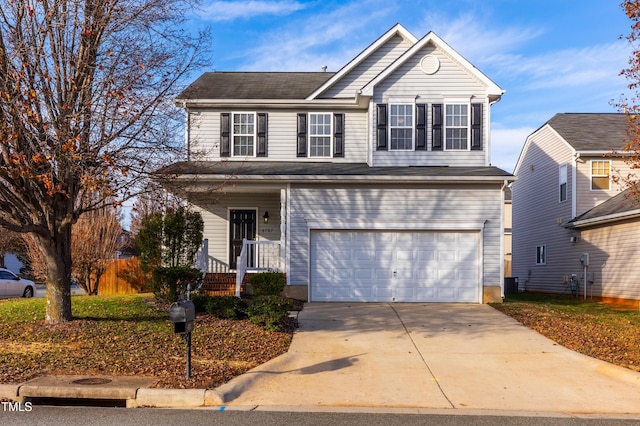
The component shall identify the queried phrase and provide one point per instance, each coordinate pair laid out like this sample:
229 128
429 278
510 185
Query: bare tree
95 240
36 260
85 91
9 242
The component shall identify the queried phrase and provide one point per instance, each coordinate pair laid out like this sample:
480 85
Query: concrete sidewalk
436 356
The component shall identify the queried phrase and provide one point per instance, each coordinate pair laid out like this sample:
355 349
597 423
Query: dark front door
243 225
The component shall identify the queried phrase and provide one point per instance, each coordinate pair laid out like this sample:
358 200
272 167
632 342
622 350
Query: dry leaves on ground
592 329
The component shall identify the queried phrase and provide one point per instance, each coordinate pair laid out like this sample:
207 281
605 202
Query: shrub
269 311
200 301
227 307
267 283
169 283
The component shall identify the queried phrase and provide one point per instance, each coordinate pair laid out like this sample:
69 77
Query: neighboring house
508 223
566 206
370 184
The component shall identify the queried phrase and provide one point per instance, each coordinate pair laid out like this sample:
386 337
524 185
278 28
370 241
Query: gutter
342 178
359 102
606 219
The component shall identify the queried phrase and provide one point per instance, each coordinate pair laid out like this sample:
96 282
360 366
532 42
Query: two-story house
569 216
369 184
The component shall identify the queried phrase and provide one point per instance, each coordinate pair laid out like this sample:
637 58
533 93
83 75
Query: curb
175 398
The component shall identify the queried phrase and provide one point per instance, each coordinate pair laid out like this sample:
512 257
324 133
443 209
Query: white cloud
474 39
331 38
218 11
566 68
506 144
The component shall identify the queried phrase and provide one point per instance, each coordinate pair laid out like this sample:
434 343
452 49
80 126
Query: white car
12 285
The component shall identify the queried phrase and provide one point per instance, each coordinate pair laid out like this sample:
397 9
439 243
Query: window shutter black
225 143
476 127
381 126
261 150
436 127
421 127
302 135
338 135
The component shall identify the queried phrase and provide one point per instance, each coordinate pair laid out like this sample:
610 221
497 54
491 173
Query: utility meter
584 259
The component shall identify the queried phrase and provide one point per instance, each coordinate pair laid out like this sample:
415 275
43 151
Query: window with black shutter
381 127
225 139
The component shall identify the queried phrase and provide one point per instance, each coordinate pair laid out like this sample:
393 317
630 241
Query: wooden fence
123 276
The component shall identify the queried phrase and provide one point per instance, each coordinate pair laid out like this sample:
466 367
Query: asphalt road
42 292
89 416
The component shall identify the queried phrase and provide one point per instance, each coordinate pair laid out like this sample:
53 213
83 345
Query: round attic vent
429 64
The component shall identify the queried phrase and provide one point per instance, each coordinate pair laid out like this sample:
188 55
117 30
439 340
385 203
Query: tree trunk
57 252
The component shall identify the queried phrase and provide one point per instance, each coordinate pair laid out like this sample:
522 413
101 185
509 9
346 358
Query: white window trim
412 103
592 175
544 254
447 102
562 181
309 135
233 135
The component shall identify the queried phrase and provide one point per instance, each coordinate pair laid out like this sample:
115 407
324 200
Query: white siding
392 204
366 71
282 137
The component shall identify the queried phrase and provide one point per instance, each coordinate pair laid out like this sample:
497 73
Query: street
88 416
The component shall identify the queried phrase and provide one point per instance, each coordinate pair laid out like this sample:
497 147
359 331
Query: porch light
266 217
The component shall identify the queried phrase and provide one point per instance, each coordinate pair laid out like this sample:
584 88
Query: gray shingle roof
621 203
254 85
265 169
591 132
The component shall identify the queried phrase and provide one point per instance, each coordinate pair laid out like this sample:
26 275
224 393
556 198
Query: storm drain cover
92 381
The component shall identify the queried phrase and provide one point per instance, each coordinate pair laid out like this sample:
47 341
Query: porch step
221 284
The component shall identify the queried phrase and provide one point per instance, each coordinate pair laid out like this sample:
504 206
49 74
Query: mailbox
182 314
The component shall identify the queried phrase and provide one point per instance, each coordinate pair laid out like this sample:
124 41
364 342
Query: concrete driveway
436 356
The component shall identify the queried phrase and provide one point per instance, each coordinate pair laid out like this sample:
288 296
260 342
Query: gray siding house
567 208
369 184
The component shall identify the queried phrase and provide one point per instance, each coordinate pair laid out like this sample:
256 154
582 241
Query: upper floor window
600 175
320 134
562 182
244 134
456 126
401 126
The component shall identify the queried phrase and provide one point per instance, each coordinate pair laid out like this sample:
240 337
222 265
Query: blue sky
549 56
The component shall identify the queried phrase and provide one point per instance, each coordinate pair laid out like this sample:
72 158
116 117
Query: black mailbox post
182 314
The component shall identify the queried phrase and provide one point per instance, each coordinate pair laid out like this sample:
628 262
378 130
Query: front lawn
594 329
128 335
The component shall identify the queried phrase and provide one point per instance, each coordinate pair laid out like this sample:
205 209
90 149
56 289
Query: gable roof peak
493 90
396 30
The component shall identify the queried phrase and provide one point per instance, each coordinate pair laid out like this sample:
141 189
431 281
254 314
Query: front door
243 225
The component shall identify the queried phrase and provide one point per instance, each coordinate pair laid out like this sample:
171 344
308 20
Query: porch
255 256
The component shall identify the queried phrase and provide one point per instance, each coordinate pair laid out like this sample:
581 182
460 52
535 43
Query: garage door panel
409 266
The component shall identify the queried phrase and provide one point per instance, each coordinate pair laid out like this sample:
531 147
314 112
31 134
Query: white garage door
387 266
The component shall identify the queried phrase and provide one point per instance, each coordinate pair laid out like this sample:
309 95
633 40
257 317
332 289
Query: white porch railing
202 257
258 256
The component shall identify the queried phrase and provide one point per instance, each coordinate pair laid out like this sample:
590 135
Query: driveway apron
438 356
